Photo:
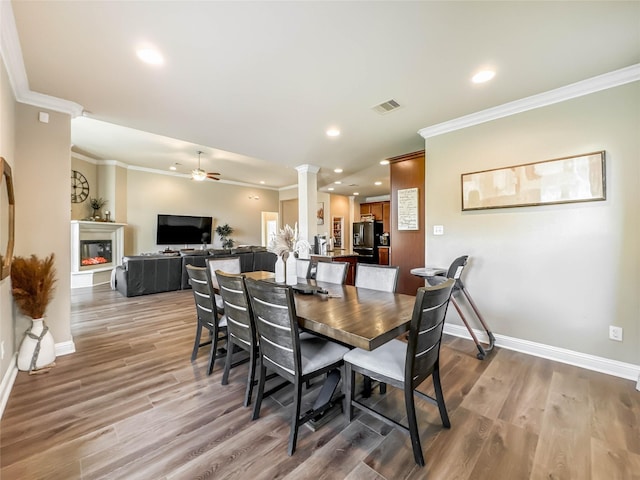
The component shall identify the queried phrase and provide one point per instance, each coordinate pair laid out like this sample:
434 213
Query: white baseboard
7 383
65 348
583 360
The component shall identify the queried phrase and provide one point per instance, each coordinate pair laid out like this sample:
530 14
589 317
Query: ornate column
307 201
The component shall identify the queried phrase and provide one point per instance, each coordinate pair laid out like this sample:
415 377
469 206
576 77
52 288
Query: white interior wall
149 194
560 274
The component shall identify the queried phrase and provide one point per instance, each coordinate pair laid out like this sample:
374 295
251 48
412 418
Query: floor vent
386 107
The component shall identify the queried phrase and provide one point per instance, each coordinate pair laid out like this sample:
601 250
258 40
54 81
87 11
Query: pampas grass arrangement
287 240
32 284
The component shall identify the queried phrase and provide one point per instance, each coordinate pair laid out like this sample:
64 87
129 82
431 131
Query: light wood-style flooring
129 404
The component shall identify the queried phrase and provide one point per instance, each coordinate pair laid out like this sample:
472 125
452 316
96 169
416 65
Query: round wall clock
79 187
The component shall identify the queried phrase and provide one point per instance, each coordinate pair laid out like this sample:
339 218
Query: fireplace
96 249
95 252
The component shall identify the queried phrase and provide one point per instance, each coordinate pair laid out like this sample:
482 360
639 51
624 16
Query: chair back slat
425 332
200 281
332 272
237 307
377 277
276 324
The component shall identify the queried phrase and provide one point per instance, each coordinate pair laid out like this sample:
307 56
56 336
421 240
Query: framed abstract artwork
579 178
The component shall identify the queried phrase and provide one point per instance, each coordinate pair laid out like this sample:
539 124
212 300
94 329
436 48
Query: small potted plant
224 232
32 285
96 204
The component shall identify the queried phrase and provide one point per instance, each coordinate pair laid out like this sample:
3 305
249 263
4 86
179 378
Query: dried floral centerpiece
32 285
287 241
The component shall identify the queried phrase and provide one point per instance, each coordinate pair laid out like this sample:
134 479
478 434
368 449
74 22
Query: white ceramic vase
279 270
292 269
38 343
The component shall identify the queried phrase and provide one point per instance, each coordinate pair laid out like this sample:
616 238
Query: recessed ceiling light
150 56
333 132
384 162
337 170
356 193
331 189
483 76
378 183
261 182
338 182
173 167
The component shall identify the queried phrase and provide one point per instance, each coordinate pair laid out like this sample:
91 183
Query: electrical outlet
2 350
615 333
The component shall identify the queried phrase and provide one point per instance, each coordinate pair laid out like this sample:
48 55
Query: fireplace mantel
90 275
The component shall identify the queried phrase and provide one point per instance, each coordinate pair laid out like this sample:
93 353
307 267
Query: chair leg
196 345
251 377
366 389
214 349
258 404
227 364
413 425
295 418
440 398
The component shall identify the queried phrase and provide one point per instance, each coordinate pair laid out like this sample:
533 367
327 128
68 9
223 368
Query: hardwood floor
130 405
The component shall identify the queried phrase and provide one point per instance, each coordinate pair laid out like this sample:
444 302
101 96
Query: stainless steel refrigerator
366 238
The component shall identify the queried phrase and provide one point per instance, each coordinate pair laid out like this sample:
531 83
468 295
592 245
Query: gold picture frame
5 261
579 178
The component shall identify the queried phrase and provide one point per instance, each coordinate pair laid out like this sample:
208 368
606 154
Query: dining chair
207 314
225 264
377 277
332 272
303 267
241 330
406 365
284 352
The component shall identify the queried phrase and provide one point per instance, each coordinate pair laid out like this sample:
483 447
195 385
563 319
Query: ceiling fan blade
213 173
211 177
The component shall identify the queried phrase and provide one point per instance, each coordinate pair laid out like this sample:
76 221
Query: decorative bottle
292 269
279 270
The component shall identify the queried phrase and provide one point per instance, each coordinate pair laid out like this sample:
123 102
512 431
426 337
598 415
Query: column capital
306 168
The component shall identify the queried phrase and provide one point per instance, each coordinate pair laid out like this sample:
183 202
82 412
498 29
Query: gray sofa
146 274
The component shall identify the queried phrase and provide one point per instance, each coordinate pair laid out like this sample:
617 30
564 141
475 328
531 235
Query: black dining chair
225 264
207 314
284 352
241 330
406 365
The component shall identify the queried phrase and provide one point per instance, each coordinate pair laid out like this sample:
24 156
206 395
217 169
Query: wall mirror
7 231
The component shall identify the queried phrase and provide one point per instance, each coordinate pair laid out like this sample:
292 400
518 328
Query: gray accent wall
557 275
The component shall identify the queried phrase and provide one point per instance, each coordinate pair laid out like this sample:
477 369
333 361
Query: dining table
354 316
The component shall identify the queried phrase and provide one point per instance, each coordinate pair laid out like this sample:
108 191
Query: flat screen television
183 230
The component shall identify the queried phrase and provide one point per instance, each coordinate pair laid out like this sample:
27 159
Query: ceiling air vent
386 107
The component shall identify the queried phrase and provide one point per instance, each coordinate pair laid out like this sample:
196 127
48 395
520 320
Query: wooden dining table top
359 317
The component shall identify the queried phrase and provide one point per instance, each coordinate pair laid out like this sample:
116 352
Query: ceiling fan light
198 174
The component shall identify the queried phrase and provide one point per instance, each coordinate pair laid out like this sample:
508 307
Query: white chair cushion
388 359
317 353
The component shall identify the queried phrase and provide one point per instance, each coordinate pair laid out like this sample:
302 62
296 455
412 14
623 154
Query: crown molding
578 89
188 176
12 56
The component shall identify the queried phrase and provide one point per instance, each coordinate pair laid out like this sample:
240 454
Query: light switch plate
438 229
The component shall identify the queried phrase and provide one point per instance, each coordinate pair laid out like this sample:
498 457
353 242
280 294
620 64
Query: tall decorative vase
292 269
38 348
279 270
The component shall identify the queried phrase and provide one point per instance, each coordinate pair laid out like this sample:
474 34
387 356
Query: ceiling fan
199 175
